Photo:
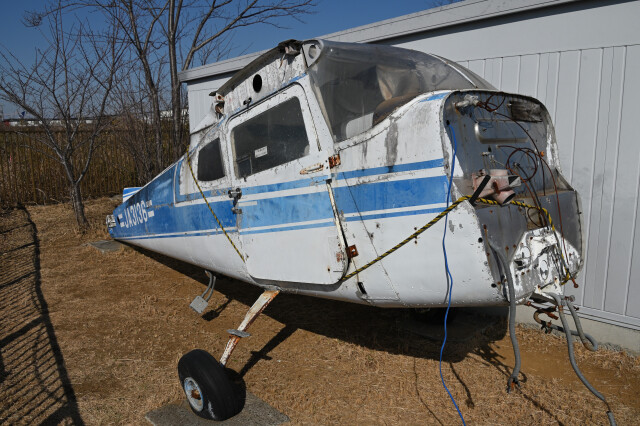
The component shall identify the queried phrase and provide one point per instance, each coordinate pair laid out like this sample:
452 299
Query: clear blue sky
330 16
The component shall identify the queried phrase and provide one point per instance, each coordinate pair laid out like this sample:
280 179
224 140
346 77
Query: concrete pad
256 412
106 246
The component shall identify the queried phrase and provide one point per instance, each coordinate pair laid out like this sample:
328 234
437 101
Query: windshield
358 85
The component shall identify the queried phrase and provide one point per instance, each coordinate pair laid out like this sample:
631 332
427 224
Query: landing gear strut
257 308
210 393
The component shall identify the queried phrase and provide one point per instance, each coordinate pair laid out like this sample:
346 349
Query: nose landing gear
209 391
204 380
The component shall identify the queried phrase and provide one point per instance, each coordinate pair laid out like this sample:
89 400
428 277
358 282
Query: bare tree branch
159 35
67 90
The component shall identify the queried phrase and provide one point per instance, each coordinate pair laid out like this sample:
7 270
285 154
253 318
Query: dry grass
122 322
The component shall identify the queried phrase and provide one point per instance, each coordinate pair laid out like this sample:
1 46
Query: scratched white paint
312 260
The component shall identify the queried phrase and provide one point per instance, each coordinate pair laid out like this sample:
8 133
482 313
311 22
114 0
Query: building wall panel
493 71
593 289
596 295
528 75
543 77
629 130
566 107
584 24
510 74
199 99
477 66
626 192
584 146
553 74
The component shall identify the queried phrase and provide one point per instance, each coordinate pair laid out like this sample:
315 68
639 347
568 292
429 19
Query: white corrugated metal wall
584 64
590 94
582 59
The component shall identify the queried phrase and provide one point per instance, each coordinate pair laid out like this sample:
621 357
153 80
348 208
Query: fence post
32 173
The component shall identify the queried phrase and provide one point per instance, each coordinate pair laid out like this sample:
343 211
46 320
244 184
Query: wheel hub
194 395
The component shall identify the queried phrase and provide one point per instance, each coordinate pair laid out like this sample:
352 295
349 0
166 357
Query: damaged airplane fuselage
336 170
320 156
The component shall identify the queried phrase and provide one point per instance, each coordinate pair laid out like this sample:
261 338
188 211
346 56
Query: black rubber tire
218 394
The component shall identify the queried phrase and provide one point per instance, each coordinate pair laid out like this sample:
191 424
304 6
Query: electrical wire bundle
537 161
536 157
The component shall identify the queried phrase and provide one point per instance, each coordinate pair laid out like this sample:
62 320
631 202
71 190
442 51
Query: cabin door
283 205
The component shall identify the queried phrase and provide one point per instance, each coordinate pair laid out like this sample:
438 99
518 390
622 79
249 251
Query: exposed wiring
529 153
539 225
555 187
572 359
513 378
588 341
533 155
446 266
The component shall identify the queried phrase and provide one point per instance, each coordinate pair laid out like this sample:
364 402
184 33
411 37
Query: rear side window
210 165
269 139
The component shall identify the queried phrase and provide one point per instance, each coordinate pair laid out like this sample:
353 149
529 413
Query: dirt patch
122 321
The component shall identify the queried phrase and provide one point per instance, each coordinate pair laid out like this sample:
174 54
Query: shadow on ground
396 331
34 385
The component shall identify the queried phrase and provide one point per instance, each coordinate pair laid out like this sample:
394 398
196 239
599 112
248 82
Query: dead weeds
122 321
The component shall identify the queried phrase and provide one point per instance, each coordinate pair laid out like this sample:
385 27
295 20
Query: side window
210 165
269 139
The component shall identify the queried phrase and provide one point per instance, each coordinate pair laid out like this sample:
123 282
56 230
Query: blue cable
446 266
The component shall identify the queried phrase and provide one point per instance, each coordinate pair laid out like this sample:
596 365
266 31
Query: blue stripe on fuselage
390 195
159 190
169 219
290 209
421 165
294 210
436 97
302 183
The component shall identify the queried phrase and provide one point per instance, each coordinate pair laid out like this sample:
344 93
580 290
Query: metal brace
263 301
334 161
201 302
236 194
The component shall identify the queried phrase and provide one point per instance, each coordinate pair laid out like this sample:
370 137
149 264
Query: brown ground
95 338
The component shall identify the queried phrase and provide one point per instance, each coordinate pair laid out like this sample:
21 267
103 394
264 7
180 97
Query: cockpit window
359 85
210 165
273 137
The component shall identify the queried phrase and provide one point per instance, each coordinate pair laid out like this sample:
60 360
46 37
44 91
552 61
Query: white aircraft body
317 169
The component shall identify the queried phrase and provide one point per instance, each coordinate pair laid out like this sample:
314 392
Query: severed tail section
128 192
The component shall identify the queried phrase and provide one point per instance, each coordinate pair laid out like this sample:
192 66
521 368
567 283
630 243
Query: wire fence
34 176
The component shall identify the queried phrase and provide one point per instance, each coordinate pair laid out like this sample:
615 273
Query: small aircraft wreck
335 170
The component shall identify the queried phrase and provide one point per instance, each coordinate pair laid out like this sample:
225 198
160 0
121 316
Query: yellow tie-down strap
210 208
443 214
